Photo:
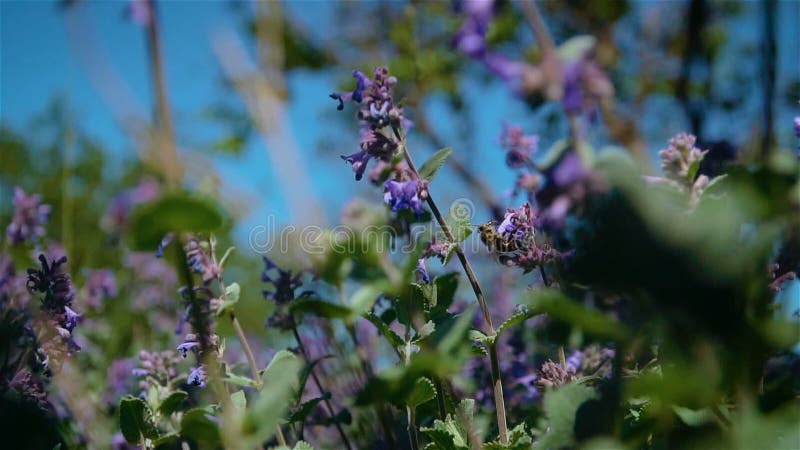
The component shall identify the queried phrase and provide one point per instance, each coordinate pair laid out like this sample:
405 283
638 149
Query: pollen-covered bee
494 241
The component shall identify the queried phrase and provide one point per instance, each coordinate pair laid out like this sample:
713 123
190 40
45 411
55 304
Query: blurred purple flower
518 145
797 133
117 215
422 272
157 369
402 195
100 286
140 12
470 39
29 218
197 377
553 374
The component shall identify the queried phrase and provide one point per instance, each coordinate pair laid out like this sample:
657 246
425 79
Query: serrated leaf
431 167
516 319
446 286
395 340
172 403
199 425
479 337
423 392
136 420
178 212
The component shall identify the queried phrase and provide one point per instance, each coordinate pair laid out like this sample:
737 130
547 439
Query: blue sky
39 60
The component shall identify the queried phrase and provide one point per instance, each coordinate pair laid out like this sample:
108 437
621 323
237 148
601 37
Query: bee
494 241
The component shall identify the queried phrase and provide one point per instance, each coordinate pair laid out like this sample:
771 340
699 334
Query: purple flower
380 116
573 99
518 145
422 272
402 195
157 369
140 12
681 159
200 261
553 374
30 217
117 215
470 39
508 70
284 282
56 285
197 377
797 133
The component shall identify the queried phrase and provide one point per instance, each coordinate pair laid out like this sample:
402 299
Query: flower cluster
553 374
30 217
59 318
381 117
283 284
156 369
681 160
199 259
585 85
513 241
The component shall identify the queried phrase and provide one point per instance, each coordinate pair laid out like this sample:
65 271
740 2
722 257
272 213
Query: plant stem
497 384
322 390
279 434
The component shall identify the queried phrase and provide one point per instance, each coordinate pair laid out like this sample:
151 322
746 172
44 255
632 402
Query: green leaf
693 417
177 212
431 167
395 340
198 425
560 407
239 400
305 373
172 403
561 307
446 286
447 434
518 439
304 409
479 337
279 381
239 380
423 392
165 439
136 420
516 319
320 308
458 219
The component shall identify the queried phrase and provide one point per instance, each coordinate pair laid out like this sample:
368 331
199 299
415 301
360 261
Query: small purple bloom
422 272
197 377
165 242
29 219
403 195
797 132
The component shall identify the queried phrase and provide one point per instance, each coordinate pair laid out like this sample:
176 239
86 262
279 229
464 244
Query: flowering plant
601 302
